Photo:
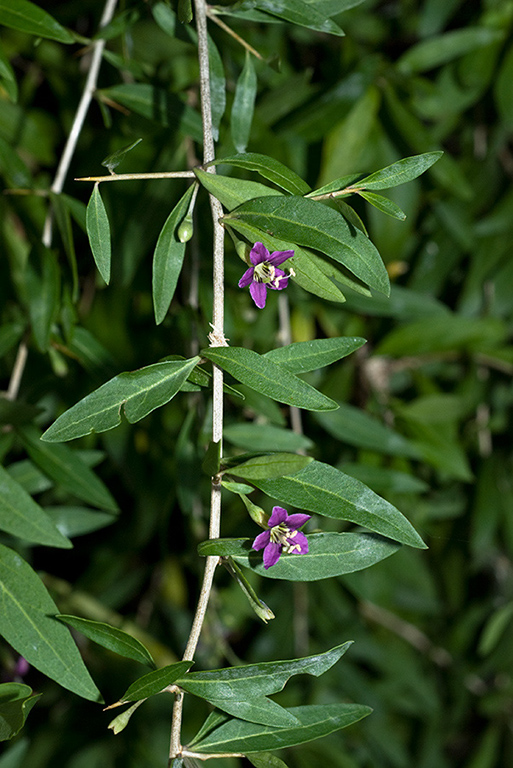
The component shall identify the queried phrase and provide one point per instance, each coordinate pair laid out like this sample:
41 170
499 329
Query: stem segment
216 339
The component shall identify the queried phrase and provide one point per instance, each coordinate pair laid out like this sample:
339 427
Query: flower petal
271 554
262 540
258 254
279 515
301 540
278 257
258 293
246 278
296 521
281 278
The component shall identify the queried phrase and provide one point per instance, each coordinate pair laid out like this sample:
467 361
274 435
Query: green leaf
98 232
268 378
74 521
304 356
185 14
114 639
324 490
155 682
41 293
113 160
404 170
297 12
271 465
229 191
157 105
63 219
244 105
384 205
343 182
314 225
16 701
27 623
10 85
443 333
138 392
168 258
121 721
315 721
270 169
22 517
243 689
265 437
329 554
265 760
217 87
28 17
439 50
353 426
66 468
212 460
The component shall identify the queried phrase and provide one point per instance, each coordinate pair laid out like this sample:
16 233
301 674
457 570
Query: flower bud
186 230
256 513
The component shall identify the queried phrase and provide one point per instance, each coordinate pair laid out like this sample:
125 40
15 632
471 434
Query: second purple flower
265 273
283 536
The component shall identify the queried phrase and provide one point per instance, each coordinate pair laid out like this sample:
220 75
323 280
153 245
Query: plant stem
216 339
80 116
135 176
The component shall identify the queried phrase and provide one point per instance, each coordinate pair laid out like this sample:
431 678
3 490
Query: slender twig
17 372
80 116
62 169
215 18
216 339
135 176
206 756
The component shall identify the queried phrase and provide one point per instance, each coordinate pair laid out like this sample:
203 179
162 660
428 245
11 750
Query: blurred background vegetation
426 404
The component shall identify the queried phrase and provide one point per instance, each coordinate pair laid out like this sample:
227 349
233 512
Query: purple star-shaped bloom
264 273
283 536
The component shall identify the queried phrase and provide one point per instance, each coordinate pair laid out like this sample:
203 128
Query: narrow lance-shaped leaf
154 682
98 232
384 205
138 392
16 701
22 517
329 555
314 721
168 257
114 159
67 468
270 169
404 170
324 490
110 637
314 225
41 293
232 192
265 760
27 623
268 378
217 87
304 356
244 105
259 679
28 17
269 465
297 12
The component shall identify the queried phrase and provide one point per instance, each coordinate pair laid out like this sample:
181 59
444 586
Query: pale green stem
216 339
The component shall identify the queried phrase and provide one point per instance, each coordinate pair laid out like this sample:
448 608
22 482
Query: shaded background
425 418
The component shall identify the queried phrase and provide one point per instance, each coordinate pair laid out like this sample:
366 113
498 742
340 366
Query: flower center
264 272
281 534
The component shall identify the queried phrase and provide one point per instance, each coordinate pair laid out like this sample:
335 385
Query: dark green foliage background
426 420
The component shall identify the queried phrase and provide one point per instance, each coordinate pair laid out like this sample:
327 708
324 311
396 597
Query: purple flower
264 273
283 536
